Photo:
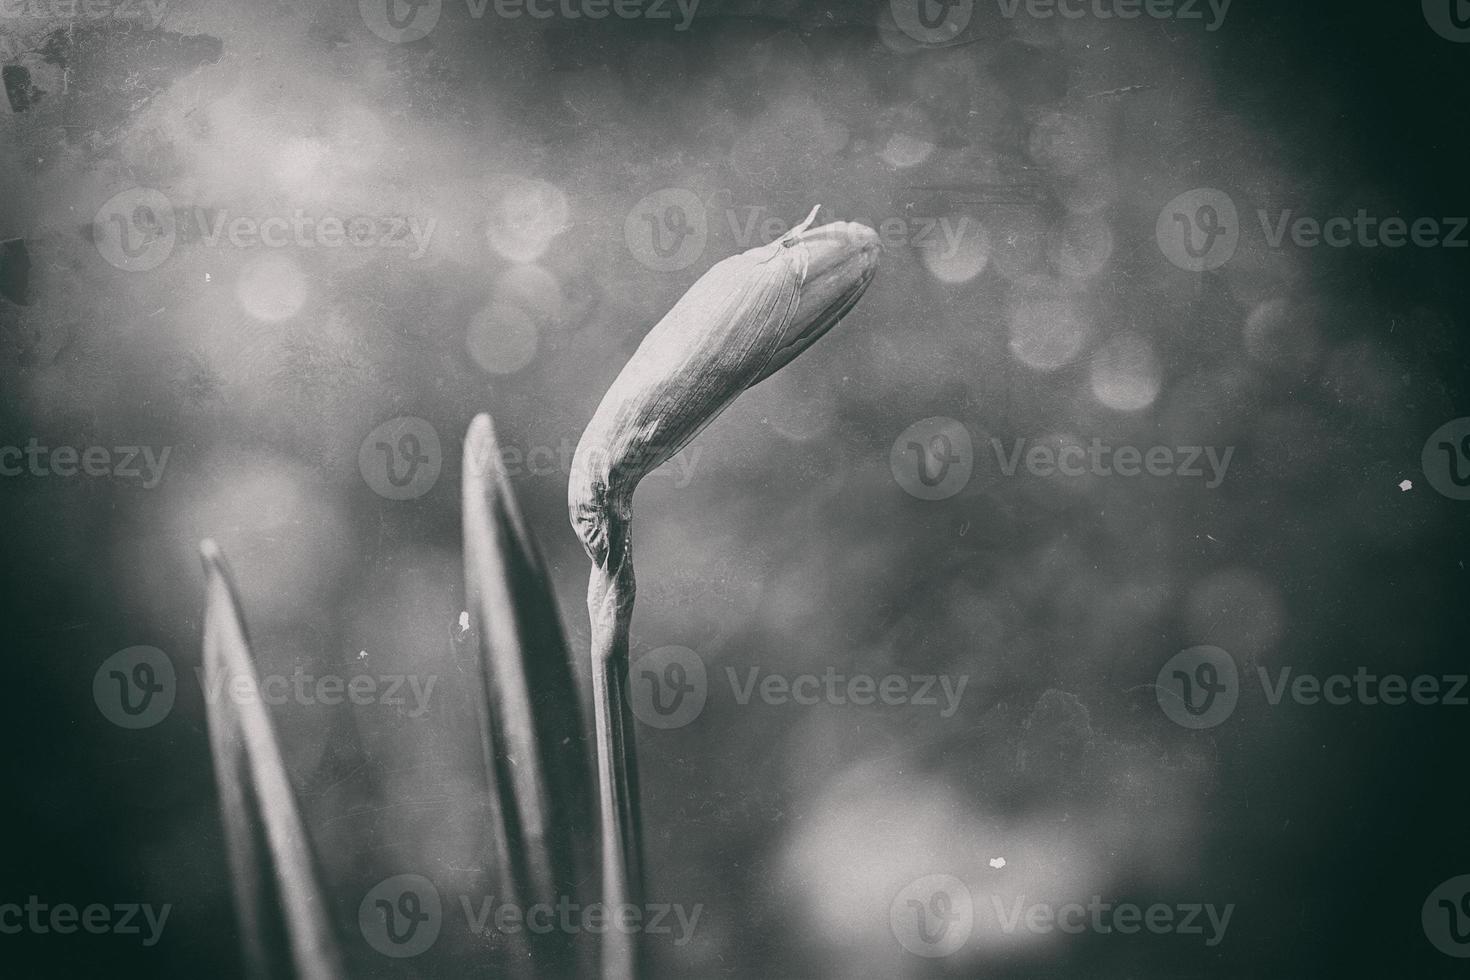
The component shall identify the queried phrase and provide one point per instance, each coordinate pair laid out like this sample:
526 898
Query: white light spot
906 150
1048 327
532 288
271 288
359 137
959 253
502 338
1125 373
526 217
1066 145
298 162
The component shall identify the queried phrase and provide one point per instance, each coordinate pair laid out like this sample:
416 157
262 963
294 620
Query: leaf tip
212 557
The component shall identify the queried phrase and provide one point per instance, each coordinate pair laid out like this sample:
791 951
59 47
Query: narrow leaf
531 729
284 916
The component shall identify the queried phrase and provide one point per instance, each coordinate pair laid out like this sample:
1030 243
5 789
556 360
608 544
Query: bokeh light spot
906 150
1280 331
502 338
1066 145
271 288
962 259
1125 373
299 161
531 287
1081 246
1048 328
526 217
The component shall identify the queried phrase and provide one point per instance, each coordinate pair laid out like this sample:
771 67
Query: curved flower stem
610 592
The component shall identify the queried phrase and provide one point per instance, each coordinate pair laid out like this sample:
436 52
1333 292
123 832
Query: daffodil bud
744 319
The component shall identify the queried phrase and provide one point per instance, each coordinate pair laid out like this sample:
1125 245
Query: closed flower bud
743 320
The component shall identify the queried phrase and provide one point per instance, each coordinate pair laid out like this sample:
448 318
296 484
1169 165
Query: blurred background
272 239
